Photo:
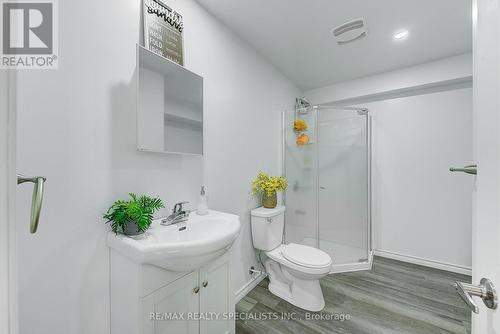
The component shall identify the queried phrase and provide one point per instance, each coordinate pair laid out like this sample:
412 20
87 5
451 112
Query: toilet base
299 291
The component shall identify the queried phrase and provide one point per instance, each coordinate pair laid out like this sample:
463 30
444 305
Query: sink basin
184 246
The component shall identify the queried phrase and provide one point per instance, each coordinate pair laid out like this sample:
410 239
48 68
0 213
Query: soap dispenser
203 204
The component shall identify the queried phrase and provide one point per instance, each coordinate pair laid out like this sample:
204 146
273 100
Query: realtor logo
29 34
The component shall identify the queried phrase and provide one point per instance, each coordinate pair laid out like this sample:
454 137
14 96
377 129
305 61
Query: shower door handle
471 169
37 198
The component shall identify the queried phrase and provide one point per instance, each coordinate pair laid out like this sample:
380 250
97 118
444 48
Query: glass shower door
344 185
301 169
326 159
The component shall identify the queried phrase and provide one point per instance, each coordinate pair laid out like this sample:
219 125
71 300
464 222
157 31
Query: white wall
420 209
422 125
76 126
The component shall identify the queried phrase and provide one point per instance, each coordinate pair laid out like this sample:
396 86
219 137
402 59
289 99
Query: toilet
294 270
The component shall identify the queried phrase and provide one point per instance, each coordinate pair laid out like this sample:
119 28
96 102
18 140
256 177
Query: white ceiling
295 35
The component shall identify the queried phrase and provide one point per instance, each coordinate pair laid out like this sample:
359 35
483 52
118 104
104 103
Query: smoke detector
350 31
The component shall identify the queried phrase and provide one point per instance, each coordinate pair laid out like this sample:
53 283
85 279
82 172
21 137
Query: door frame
8 248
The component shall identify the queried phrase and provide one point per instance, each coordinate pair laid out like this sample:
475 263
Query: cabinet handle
205 284
196 290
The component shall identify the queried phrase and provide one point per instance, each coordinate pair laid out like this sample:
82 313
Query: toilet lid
306 256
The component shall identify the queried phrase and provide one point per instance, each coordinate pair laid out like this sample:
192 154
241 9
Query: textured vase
269 202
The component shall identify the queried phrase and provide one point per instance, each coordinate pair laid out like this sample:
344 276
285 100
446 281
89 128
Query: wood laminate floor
394 297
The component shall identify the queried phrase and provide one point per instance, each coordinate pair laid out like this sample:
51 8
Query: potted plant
269 186
133 217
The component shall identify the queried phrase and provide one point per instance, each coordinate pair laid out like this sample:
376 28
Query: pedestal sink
181 247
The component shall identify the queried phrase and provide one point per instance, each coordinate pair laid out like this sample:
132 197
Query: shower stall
327 161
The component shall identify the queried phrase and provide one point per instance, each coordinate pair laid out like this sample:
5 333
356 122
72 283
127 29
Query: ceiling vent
350 31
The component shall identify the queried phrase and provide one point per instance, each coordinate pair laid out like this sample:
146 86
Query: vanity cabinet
150 300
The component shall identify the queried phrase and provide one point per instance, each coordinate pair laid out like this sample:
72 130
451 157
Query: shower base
345 258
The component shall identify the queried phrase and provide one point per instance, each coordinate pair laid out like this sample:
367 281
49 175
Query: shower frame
349 267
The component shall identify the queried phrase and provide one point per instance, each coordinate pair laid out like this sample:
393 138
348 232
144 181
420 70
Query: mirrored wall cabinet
169 106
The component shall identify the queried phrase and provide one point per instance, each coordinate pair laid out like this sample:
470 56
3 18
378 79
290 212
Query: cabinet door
171 306
217 299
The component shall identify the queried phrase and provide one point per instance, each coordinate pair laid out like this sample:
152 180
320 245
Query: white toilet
294 270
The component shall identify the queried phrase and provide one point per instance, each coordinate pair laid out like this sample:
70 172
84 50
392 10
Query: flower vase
269 201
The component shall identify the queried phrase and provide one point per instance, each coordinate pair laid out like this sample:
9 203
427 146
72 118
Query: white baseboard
424 262
245 289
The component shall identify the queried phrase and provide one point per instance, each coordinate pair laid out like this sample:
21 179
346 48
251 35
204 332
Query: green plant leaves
139 210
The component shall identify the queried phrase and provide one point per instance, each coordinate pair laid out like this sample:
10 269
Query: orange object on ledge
302 139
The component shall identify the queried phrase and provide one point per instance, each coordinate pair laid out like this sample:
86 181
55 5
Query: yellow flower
268 184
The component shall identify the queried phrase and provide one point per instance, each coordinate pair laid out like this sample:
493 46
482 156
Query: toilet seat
277 255
306 256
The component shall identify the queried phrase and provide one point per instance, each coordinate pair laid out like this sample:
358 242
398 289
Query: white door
4 205
486 225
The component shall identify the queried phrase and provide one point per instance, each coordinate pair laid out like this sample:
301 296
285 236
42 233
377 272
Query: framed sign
163 31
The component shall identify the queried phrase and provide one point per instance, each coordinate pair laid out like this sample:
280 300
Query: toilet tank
267 227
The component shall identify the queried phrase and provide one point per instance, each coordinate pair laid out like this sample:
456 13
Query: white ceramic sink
184 246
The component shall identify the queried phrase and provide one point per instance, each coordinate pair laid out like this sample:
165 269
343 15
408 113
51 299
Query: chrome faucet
178 215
